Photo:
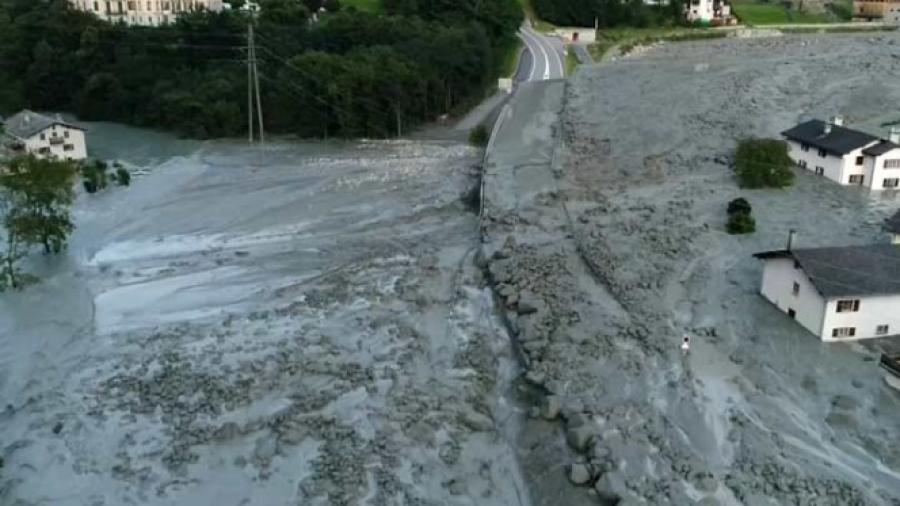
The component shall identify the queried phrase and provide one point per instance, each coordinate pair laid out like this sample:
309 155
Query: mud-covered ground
613 246
299 324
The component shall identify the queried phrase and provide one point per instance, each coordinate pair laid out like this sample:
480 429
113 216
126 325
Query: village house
575 35
707 11
838 294
45 136
844 155
876 10
144 12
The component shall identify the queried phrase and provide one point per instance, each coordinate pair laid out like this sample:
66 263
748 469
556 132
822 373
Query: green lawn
627 38
759 13
364 5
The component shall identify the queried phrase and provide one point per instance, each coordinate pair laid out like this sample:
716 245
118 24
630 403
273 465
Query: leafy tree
764 163
36 195
123 176
739 205
741 223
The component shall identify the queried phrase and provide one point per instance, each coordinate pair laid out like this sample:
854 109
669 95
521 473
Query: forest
609 13
341 73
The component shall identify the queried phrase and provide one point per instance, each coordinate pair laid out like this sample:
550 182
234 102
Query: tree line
609 13
341 73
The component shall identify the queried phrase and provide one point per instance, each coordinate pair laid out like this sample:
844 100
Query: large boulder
579 474
580 437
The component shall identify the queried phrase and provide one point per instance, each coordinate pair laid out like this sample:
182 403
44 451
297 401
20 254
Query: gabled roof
839 141
880 148
27 123
847 271
892 224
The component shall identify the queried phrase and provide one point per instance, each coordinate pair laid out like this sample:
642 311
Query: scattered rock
580 437
551 407
57 427
579 474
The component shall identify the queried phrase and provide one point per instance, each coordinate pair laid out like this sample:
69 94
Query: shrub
741 223
123 176
739 205
763 163
479 136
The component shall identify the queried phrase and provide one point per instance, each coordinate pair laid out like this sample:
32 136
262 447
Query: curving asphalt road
546 57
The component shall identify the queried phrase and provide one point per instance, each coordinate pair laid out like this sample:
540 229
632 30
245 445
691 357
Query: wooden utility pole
253 83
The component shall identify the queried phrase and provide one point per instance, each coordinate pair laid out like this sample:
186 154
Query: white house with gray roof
844 155
838 294
45 136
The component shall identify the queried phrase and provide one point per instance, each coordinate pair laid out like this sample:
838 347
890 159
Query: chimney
894 136
827 128
26 118
837 120
791 235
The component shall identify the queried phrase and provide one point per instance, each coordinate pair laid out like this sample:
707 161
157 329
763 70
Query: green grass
511 58
571 62
627 38
364 5
754 12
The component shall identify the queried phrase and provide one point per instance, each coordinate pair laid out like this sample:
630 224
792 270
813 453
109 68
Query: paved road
546 56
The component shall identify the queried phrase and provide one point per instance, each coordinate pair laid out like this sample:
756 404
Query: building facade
872 10
707 11
45 136
144 12
838 294
846 156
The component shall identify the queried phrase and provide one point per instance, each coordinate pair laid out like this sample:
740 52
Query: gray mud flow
604 221
290 324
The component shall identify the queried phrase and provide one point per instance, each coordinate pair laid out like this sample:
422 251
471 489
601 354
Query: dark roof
27 123
840 141
848 271
880 148
892 224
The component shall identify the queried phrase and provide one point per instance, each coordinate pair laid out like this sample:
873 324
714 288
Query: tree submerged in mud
763 163
35 196
740 219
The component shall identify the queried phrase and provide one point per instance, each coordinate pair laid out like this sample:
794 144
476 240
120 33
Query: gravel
605 201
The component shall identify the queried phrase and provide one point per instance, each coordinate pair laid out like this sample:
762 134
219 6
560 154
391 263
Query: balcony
56 140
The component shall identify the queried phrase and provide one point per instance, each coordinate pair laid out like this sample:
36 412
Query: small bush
764 163
739 206
741 223
479 136
89 186
123 176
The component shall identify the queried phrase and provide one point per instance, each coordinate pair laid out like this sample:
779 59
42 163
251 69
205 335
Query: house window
68 147
823 153
820 171
857 179
66 134
44 150
859 160
881 330
43 137
848 306
792 313
892 164
796 290
891 182
804 147
843 332
802 163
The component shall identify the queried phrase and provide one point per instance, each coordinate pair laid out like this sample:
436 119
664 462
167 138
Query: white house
844 155
44 136
144 12
707 11
838 294
892 226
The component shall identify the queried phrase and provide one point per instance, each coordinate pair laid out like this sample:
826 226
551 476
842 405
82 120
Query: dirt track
614 242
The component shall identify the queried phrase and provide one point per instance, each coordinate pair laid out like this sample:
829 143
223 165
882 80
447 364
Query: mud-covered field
299 324
614 247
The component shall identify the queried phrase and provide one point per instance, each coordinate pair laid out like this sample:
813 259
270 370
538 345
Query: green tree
763 163
741 223
36 195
